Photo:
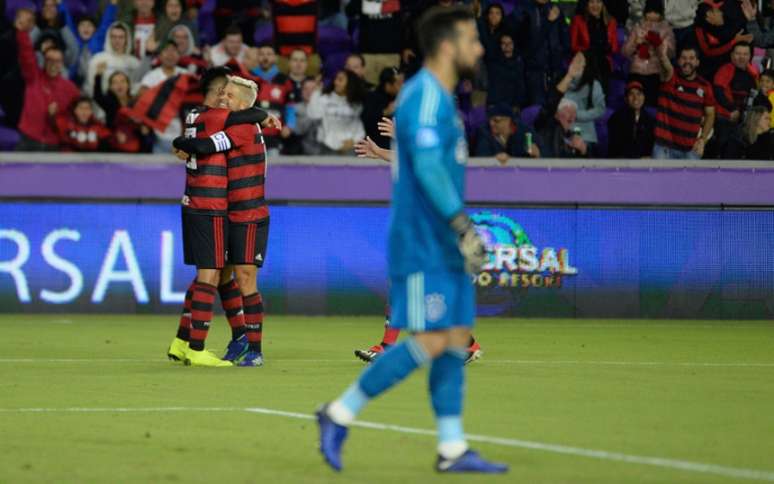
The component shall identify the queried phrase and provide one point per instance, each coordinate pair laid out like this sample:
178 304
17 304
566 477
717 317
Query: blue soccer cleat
236 348
332 437
252 358
470 461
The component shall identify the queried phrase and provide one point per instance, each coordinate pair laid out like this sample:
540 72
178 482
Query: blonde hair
249 87
751 121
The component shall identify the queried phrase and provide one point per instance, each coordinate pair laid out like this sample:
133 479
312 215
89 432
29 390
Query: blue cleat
332 437
252 358
470 461
236 348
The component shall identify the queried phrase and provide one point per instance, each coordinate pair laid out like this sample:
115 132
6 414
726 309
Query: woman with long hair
586 91
338 107
593 30
754 139
127 136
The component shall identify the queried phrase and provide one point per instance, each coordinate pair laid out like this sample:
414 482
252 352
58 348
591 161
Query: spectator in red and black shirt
715 38
686 108
79 130
733 84
593 29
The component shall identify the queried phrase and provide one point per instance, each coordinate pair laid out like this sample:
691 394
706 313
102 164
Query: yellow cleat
177 349
204 358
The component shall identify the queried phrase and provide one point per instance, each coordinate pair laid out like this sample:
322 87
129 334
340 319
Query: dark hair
212 74
388 75
79 100
439 24
689 46
583 7
87 18
359 56
120 73
489 9
299 50
356 91
53 36
768 73
743 44
265 45
232 29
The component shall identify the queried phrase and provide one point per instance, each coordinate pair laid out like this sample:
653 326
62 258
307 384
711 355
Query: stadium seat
602 133
8 138
474 119
530 114
333 40
13 5
332 63
207 33
264 34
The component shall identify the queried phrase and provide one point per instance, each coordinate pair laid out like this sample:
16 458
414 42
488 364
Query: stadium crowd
683 79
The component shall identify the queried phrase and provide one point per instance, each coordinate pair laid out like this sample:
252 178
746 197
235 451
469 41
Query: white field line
689 466
484 361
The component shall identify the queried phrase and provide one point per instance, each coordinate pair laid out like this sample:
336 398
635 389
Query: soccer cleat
252 358
370 354
470 461
204 358
332 437
177 349
474 353
236 348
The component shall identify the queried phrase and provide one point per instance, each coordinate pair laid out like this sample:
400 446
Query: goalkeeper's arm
439 188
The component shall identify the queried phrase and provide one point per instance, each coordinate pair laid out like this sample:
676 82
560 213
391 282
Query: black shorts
204 240
247 243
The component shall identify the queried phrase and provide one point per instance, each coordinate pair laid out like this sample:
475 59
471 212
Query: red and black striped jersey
246 160
206 180
681 108
732 86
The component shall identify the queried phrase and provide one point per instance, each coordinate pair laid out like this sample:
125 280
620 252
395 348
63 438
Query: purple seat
264 34
616 93
602 133
332 40
12 6
207 33
332 64
474 119
9 138
530 114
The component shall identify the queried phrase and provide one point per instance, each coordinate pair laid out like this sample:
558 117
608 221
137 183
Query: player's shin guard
231 300
184 329
447 380
201 313
254 321
387 371
390 334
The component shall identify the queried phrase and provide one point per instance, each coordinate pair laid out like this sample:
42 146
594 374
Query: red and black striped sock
231 300
390 334
184 329
254 320
201 313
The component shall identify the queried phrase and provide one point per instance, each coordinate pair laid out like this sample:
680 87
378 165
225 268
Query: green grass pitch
113 409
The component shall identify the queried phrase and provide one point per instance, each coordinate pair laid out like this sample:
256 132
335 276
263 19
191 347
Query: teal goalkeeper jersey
428 179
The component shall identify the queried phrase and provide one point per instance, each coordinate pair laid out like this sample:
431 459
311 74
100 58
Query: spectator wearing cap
505 72
679 13
46 93
230 48
542 36
504 138
733 84
557 135
631 128
89 36
641 44
381 102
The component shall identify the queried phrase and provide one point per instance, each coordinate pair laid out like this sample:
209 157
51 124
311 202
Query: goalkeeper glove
470 244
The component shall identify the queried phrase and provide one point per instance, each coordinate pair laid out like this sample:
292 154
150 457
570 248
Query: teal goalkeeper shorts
432 301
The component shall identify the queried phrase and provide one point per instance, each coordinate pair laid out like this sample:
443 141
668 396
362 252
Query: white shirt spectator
340 119
157 76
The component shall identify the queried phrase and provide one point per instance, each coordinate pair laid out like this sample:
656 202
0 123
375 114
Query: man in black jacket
630 129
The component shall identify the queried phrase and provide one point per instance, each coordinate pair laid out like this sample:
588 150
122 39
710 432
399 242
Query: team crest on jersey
461 152
700 92
435 307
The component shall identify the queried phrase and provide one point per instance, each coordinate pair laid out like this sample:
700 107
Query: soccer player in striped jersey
433 249
205 225
367 148
248 213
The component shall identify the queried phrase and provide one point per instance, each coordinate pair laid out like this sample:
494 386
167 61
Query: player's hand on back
272 121
470 244
386 127
181 155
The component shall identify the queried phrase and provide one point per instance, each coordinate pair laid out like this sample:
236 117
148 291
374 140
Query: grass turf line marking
484 361
698 467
